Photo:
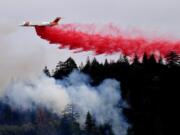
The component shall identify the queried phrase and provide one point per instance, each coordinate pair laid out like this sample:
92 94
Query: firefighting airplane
43 24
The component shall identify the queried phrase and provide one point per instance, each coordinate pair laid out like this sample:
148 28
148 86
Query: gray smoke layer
101 101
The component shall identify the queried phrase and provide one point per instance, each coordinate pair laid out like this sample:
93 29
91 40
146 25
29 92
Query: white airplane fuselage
43 24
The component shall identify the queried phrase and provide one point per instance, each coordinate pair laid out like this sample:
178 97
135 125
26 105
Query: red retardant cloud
68 35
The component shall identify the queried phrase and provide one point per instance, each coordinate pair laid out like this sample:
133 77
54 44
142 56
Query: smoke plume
87 38
18 55
101 101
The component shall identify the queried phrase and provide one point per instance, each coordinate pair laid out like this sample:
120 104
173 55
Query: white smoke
22 57
101 101
40 91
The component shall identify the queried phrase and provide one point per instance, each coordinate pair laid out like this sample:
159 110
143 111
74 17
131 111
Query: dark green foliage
64 68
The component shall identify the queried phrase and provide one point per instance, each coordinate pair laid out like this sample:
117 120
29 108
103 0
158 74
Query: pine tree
95 63
145 59
46 71
70 120
106 63
152 59
70 63
89 124
87 65
64 68
71 113
136 60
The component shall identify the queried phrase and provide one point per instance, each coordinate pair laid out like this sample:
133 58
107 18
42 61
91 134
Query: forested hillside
149 86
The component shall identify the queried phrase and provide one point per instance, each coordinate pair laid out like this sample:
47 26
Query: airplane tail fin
57 20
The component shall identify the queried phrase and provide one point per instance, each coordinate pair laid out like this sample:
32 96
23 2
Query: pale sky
153 14
161 16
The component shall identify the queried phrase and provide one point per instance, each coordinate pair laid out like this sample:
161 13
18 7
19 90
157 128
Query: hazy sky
153 14
161 16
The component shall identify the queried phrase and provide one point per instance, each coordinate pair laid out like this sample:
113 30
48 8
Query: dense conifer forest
149 86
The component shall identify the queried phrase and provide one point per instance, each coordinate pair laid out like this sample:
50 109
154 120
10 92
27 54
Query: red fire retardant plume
68 35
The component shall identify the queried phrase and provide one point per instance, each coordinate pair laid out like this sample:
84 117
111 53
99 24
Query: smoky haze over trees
150 89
